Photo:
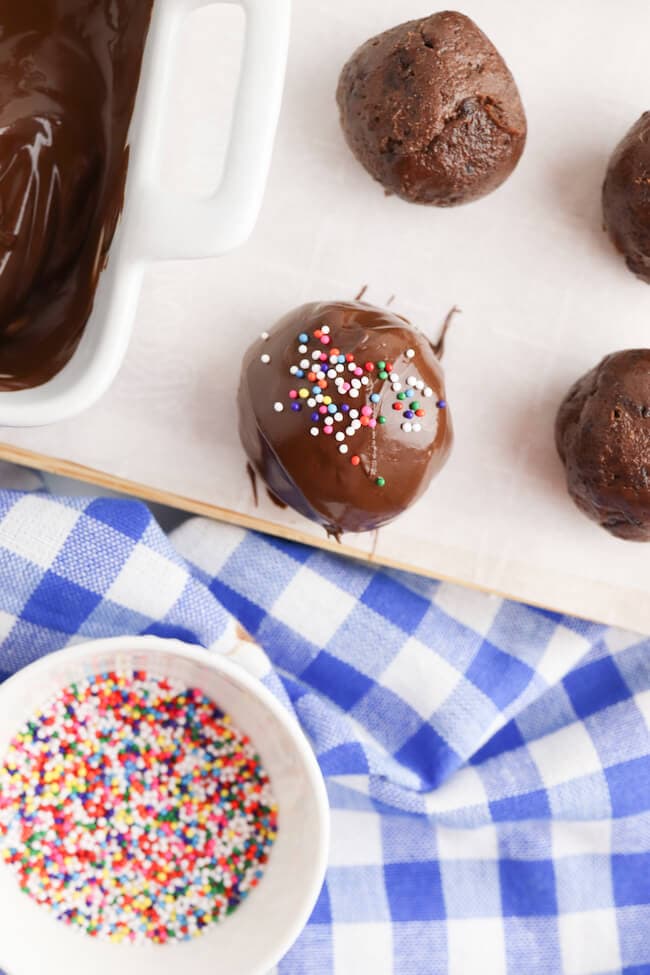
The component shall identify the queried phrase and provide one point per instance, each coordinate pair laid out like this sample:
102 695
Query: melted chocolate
431 110
602 433
308 471
69 71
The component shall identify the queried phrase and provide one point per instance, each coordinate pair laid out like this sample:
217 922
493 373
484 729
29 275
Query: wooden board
68 469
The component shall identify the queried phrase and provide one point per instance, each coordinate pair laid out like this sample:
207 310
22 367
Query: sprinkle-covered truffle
375 371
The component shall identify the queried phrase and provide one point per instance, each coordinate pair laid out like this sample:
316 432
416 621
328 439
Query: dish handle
167 224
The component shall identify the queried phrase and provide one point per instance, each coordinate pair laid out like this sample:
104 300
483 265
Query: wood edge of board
146 492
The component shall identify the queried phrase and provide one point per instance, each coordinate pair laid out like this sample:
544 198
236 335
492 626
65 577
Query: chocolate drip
439 346
252 477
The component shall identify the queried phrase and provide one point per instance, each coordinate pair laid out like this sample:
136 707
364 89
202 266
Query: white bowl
158 223
262 929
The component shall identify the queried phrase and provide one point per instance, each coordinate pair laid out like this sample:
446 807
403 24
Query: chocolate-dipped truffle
603 437
432 111
626 198
342 412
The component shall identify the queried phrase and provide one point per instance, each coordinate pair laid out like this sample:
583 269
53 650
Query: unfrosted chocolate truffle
342 412
603 436
432 111
626 198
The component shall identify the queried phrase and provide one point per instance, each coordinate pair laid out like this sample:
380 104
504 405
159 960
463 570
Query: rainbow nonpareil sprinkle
331 377
134 810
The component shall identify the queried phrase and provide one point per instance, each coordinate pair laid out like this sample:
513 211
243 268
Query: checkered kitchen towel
488 764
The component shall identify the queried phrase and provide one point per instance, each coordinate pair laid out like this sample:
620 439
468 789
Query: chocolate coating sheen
603 437
626 198
309 472
69 72
432 111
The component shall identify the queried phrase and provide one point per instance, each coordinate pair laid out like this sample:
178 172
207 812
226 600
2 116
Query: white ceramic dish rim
159 224
86 652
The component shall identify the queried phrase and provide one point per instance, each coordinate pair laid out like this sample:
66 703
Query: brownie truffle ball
342 412
432 111
603 436
626 198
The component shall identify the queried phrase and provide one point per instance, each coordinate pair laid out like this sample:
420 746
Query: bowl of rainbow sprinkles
158 806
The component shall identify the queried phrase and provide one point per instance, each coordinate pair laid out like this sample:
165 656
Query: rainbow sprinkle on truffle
330 367
134 810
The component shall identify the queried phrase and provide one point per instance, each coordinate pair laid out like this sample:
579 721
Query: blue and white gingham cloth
488 764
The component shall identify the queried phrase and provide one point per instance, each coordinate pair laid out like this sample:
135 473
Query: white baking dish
158 225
